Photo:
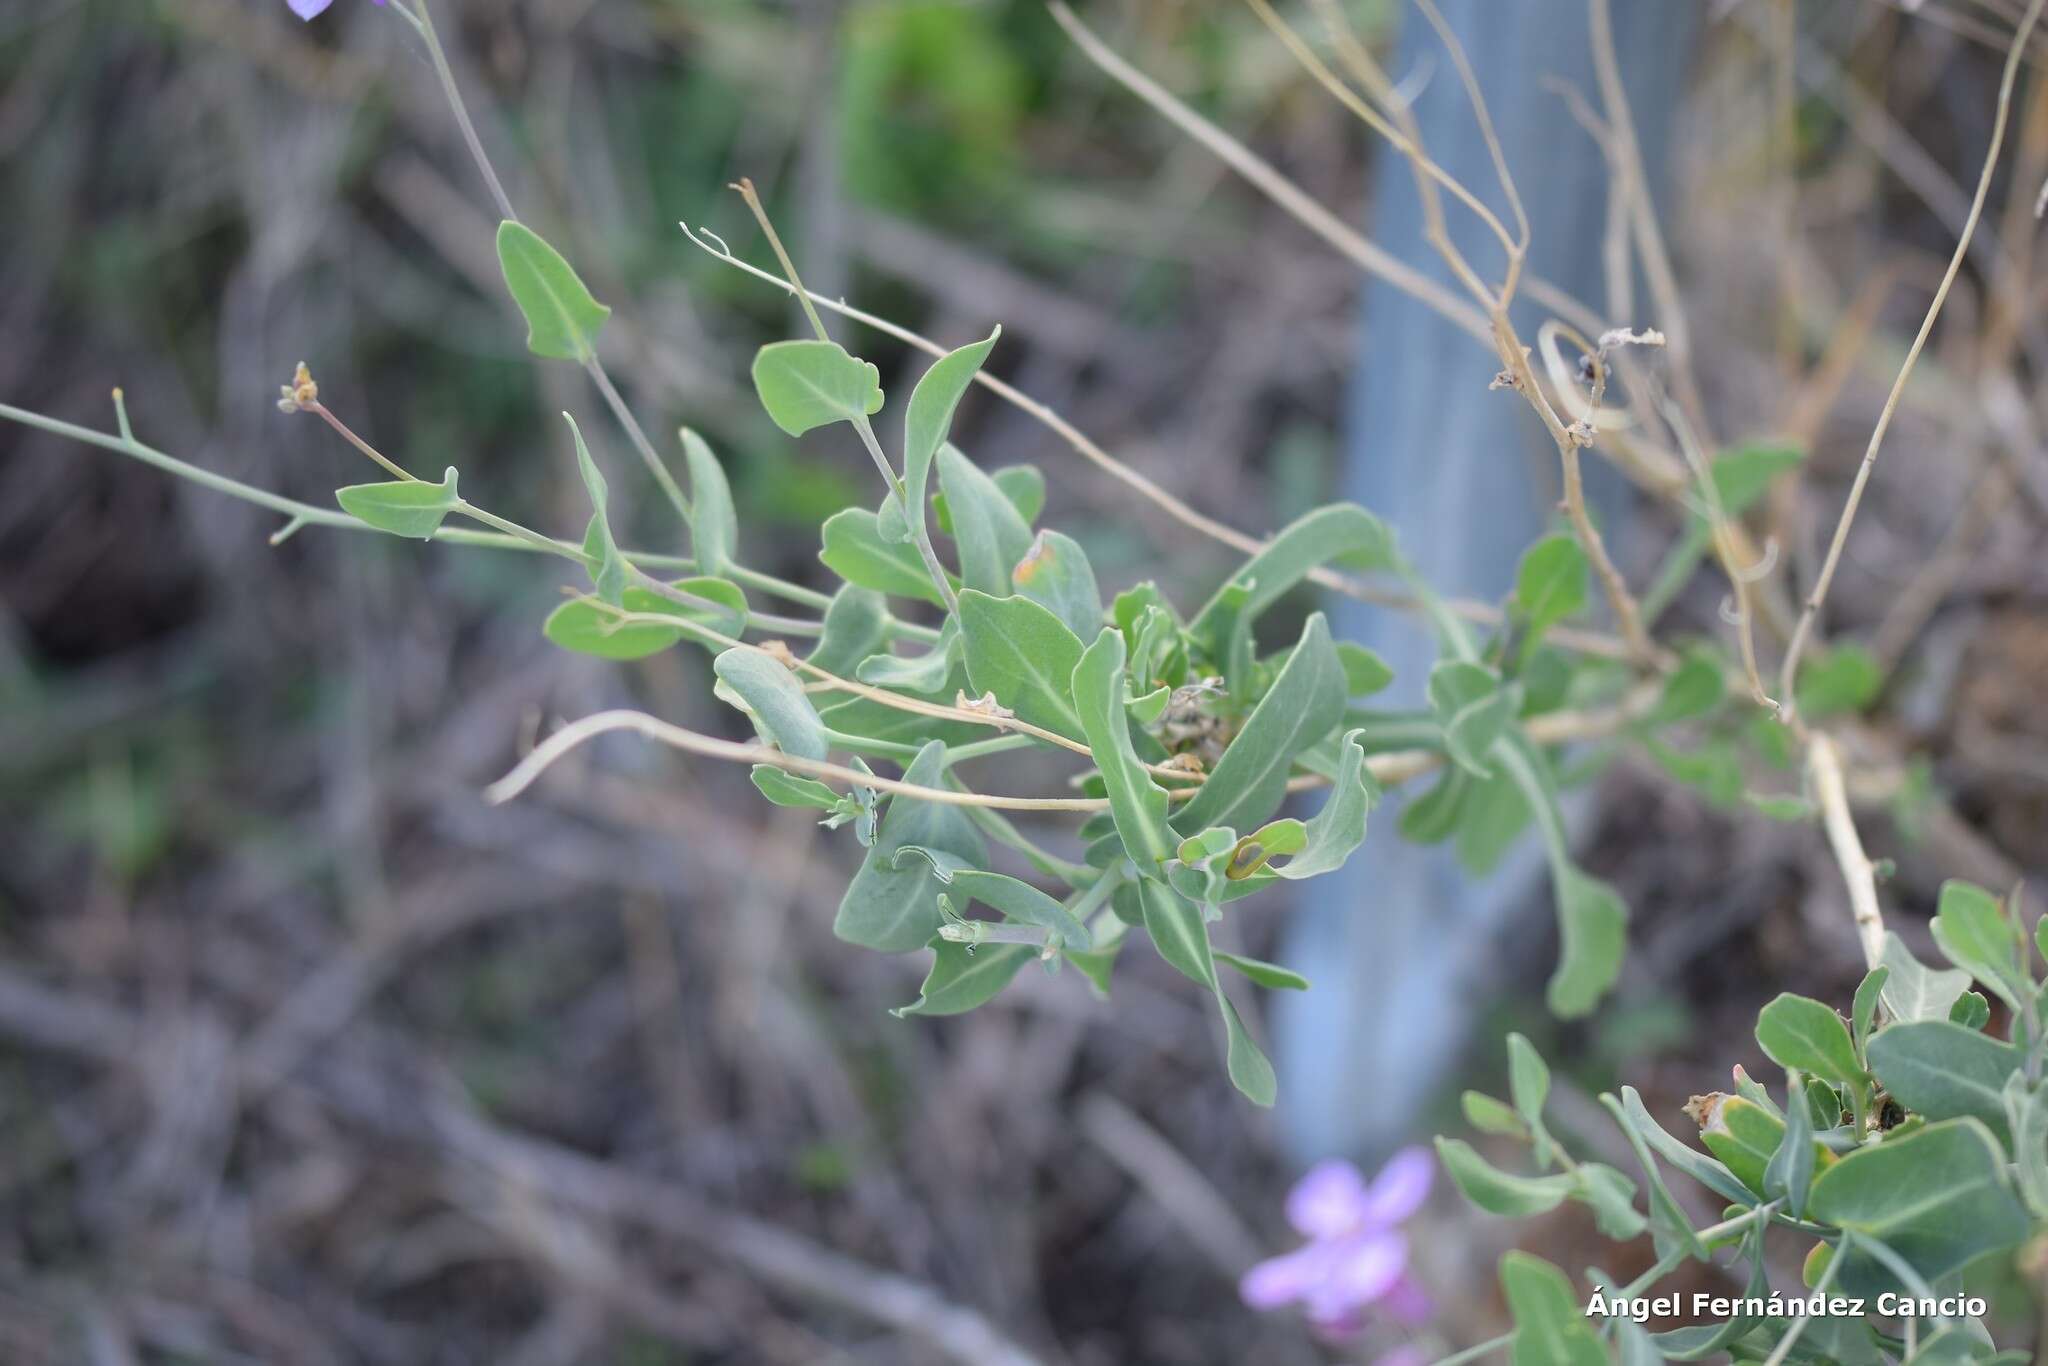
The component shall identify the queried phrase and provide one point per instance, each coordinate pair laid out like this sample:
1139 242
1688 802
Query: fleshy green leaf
1056 575
856 625
1024 486
607 566
1670 1226
1365 673
987 532
403 507
1015 899
1491 1116
1499 1192
1137 803
1971 930
1023 653
792 789
781 710
1914 991
1326 839
1251 1072
1178 932
562 320
714 527
1937 1197
1788 1175
896 909
1473 709
1845 679
1550 1329
1695 1164
591 627
1863 1010
962 977
1611 1196
855 551
1265 974
1305 702
1550 583
1694 688
1592 924
1944 1071
1799 1032
809 384
926 420
920 673
1343 533
1528 1081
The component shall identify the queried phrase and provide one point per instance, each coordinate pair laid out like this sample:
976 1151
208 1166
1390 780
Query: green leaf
810 384
1611 1196
405 507
1305 702
1056 575
591 627
1025 655
1695 1164
562 320
1342 532
988 534
766 691
1178 932
1670 1227
1326 839
1550 1329
1694 689
1936 1196
1788 1175
1137 803
1491 816
1365 673
1863 1010
926 421
1846 679
1265 974
607 567
791 789
1024 486
1473 710
855 551
856 625
1490 1116
1499 1192
714 526
1743 474
1016 899
1971 1010
921 673
962 977
1550 583
1972 932
1914 991
1251 1072
1944 1071
896 909
2026 1116
1706 1339
1799 1032
1592 925
1528 1081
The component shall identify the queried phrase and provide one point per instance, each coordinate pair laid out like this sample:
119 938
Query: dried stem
1788 676
1824 766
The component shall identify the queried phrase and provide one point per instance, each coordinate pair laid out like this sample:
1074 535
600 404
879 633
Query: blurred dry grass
308 1056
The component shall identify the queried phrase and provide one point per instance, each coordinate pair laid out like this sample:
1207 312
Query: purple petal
1329 1201
1404 1356
1282 1280
1399 1189
1358 1272
306 9
1406 1301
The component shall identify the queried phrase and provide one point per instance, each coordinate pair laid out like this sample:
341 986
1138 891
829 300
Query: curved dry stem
1260 172
1788 674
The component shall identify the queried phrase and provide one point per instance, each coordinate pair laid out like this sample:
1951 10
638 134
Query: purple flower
1355 1258
306 9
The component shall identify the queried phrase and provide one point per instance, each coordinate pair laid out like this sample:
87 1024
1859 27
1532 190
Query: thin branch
1824 765
1260 172
1788 676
